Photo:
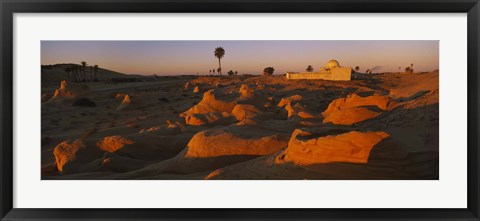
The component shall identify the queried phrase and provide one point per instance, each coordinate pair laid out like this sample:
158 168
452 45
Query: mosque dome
332 64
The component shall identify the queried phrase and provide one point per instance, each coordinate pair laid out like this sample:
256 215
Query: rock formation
68 90
235 140
113 143
307 147
354 108
125 104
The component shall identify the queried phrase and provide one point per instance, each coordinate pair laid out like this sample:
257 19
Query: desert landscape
101 124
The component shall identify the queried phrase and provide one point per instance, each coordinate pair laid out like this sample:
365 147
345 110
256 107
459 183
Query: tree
84 65
68 69
309 68
268 71
95 69
411 67
236 72
230 73
75 72
407 69
357 68
367 71
210 71
213 71
219 53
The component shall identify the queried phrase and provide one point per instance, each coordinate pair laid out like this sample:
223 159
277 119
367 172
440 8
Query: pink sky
246 57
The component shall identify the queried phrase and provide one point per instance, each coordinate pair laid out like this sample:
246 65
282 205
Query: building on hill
331 71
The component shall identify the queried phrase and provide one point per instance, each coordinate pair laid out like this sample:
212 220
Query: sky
246 57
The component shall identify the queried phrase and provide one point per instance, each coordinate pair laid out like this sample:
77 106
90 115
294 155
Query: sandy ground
381 126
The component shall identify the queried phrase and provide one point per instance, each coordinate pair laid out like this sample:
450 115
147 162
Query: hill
58 72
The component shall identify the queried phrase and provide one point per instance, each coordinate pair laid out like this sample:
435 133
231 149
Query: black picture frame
9 7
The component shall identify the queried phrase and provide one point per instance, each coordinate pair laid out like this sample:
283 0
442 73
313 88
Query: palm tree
95 69
411 67
213 71
309 68
84 65
219 71
236 72
357 68
219 53
210 71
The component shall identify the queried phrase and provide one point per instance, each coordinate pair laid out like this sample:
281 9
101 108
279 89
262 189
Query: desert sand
376 126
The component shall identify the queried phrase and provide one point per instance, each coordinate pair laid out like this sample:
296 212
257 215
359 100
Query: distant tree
84 66
411 67
213 71
219 53
268 71
230 73
357 68
68 70
407 69
90 69
367 71
75 73
399 68
210 71
236 72
95 69
309 68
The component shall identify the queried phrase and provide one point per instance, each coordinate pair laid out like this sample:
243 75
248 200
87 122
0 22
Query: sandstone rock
244 111
126 103
65 152
299 110
212 108
69 156
235 140
213 118
246 91
113 143
382 102
310 146
211 102
69 90
289 100
350 116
